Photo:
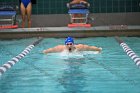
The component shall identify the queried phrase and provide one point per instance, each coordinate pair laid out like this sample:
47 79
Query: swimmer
71 47
26 8
78 1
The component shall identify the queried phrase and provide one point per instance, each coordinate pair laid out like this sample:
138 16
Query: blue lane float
129 51
14 60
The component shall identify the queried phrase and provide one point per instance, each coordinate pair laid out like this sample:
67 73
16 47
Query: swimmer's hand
100 49
44 52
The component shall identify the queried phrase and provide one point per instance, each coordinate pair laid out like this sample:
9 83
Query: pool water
111 71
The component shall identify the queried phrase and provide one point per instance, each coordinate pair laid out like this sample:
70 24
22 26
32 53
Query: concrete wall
100 19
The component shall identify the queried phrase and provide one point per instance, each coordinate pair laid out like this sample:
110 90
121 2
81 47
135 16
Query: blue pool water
111 71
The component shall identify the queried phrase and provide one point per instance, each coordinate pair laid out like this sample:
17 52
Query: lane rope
129 51
14 60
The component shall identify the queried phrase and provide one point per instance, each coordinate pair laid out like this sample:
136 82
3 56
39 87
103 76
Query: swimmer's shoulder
79 45
59 47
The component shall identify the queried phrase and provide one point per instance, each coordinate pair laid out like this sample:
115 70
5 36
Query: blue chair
78 13
8 14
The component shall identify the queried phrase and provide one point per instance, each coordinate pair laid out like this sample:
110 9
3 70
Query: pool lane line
14 60
129 51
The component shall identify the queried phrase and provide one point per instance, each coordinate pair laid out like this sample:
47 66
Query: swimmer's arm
53 50
50 50
90 48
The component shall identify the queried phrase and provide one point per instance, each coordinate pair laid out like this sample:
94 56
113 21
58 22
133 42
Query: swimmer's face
69 46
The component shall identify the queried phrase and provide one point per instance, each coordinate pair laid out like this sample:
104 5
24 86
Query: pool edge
64 32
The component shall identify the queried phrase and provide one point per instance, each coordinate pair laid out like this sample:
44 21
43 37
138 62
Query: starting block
79 25
79 17
8 26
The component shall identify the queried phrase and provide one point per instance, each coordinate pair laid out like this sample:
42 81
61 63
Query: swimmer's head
69 40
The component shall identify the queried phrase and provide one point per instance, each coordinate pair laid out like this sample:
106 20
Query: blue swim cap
69 40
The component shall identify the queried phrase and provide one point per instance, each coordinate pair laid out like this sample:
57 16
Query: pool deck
115 30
